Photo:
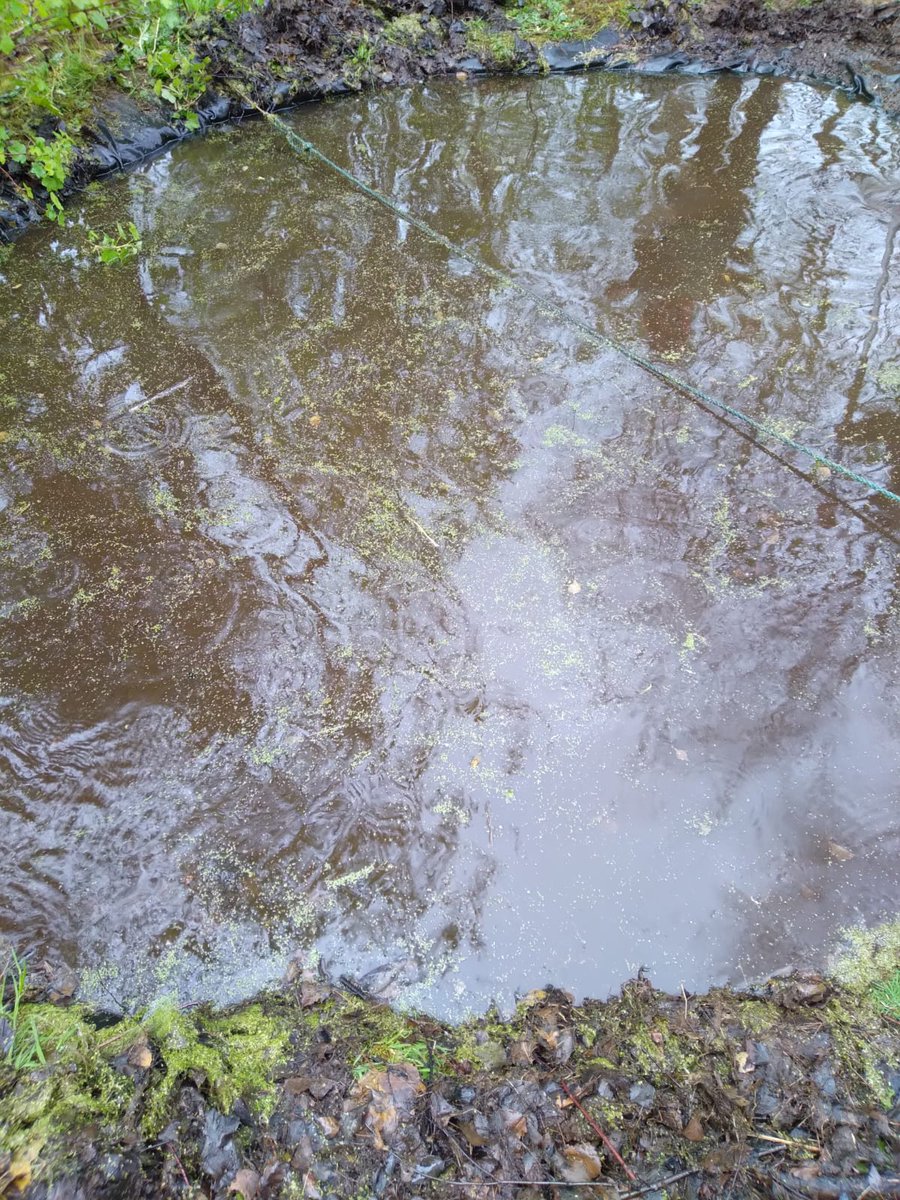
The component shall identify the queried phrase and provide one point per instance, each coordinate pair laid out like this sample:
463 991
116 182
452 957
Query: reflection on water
353 607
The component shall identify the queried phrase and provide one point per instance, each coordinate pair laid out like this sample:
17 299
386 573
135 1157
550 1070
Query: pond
356 609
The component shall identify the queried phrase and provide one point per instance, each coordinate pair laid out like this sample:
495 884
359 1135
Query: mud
788 1091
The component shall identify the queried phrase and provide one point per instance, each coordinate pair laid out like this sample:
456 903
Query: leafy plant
179 78
45 162
548 20
20 1043
55 54
361 58
394 1048
109 249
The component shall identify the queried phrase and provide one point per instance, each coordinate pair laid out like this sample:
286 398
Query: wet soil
790 1091
295 50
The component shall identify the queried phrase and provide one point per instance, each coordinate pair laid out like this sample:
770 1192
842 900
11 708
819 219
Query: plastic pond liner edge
123 134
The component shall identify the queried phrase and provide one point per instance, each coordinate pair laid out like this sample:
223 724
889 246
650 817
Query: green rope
304 147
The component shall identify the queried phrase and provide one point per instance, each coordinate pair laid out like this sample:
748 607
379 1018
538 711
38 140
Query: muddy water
352 607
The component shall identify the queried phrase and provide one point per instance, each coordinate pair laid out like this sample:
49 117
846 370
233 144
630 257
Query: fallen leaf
475 761
391 1094
521 1054
809 1171
315 420
744 1065
515 1124
838 852
140 1054
476 1131
681 755
245 1183
583 1161
297 1084
313 993
693 1131
574 587
330 1127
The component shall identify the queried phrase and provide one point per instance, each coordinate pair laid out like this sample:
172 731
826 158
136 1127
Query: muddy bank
291 51
320 1090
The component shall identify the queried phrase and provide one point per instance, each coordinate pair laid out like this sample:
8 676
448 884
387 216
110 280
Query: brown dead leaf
515 1124
475 1132
744 1065
391 1093
245 1183
583 1163
521 1054
839 853
140 1054
693 1131
808 1171
298 1084
475 761
313 993
310 1187
330 1127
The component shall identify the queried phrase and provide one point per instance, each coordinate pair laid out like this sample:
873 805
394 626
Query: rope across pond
603 341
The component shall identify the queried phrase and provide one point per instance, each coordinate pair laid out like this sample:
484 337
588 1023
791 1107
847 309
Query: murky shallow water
351 605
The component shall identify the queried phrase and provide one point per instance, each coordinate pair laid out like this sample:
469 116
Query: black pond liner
125 135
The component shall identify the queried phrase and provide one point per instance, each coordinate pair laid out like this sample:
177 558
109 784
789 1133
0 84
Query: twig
174 1153
596 1128
176 387
766 1137
657 1185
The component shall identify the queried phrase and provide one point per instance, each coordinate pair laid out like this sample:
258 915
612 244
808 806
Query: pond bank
788 1089
289 51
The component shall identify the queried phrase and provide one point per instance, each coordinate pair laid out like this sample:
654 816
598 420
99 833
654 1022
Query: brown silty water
353 607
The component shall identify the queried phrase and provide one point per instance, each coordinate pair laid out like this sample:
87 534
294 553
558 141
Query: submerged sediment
788 1089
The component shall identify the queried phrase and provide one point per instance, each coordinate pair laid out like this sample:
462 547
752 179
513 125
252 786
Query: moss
498 47
77 1087
234 1056
856 1036
408 30
867 957
229 1055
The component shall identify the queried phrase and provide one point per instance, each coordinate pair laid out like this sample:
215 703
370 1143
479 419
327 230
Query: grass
543 21
886 996
20 1042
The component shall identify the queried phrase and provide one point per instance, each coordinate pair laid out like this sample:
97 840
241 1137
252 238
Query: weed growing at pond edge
109 249
55 55
20 1042
887 996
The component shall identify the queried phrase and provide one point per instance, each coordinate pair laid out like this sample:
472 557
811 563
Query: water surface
353 607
